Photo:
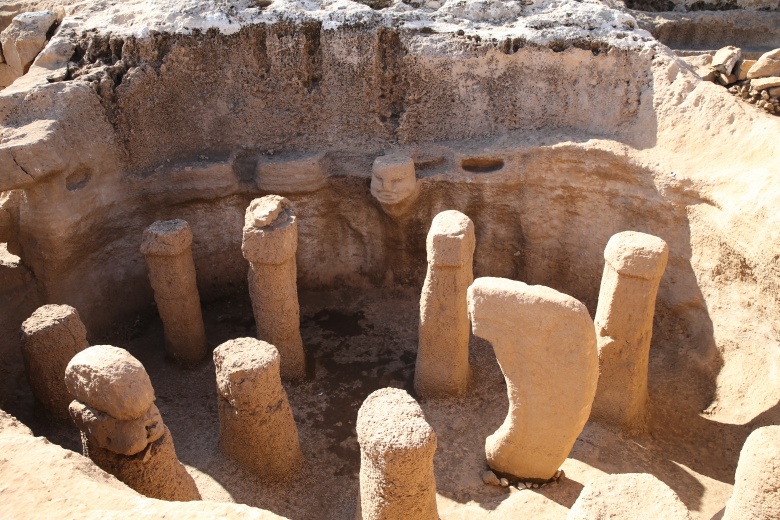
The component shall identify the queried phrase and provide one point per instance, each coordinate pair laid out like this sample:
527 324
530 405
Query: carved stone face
393 179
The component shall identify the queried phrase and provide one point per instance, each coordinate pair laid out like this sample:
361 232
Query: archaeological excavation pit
275 210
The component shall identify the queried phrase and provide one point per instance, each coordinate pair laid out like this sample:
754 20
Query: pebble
535 485
490 479
504 482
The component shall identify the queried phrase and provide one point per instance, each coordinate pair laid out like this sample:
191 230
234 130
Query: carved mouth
387 197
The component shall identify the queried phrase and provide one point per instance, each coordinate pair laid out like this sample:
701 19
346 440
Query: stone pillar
756 493
396 459
624 327
121 428
442 368
545 344
50 338
166 246
256 425
270 242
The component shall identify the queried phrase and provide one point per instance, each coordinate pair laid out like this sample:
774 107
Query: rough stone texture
442 367
270 241
634 264
545 344
24 38
765 83
394 183
111 380
154 472
256 425
756 492
767 65
628 496
396 459
167 248
74 487
122 437
725 59
50 339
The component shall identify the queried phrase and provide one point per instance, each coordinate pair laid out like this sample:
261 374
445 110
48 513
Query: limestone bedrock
270 241
628 496
442 367
111 380
256 424
756 493
634 264
167 247
396 459
122 437
543 340
50 339
24 39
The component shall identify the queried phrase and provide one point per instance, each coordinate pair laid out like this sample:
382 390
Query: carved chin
388 198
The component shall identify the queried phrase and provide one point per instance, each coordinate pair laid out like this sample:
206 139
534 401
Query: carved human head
393 179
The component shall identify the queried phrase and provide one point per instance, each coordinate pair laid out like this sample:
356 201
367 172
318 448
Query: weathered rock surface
256 424
24 38
167 248
50 339
756 493
121 437
396 459
442 367
74 487
634 264
111 380
154 472
542 339
765 83
767 65
628 496
725 59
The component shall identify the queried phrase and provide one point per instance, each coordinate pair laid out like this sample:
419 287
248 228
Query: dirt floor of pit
359 341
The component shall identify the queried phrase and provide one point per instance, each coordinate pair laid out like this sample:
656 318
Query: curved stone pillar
396 459
121 429
269 244
545 344
167 248
442 367
256 424
634 265
756 493
50 339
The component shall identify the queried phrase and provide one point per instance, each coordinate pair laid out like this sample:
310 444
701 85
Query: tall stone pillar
396 459
270 242
442 368
256 424
121 429
50 339
634 265
167 248
545 344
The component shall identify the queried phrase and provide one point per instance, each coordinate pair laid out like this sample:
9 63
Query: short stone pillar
256 424
545 344
121 428
396 459
270 242
167 248
50 338
624 327
756 493
627 496
442 368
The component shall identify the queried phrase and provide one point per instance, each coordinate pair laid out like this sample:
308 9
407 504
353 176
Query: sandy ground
359 341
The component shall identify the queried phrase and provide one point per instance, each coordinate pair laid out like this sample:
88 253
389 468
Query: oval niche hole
77 180
481 164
